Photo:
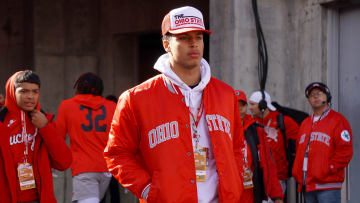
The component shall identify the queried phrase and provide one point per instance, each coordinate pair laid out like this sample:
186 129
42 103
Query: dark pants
323 196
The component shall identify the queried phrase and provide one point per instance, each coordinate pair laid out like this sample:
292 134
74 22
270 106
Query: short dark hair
26 76
89 83
167 37
111 98
242 102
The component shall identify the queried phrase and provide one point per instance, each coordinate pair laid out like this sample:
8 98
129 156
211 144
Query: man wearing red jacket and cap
324 149
268 117
177 137
246 118
30 144
259 169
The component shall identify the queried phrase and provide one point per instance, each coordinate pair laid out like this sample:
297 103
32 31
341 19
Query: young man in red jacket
268 118
259 169
243 104
30 144
324 149
86 118
177 137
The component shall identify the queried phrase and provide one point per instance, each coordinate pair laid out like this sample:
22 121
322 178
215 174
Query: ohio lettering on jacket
170 130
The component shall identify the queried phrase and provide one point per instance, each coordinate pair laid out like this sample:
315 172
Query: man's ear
166 45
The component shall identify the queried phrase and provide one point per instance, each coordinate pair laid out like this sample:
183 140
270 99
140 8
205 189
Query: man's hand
38 119
278 201
2 99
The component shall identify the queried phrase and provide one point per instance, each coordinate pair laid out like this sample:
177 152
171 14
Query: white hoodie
207 191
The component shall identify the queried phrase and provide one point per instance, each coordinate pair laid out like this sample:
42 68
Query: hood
89 100
192 96
10 99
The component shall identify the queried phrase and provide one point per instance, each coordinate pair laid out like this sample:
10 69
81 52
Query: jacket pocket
319 165
154 188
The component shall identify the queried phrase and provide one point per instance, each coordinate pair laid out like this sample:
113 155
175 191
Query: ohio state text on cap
184 19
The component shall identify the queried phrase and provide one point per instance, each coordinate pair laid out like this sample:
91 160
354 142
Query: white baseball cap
182 20
257 97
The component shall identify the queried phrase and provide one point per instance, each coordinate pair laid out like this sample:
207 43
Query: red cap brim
188 29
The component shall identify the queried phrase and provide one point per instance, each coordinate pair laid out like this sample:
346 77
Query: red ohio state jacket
150 142
276 142
330 151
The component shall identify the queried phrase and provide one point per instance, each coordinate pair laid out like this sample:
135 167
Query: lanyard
195 122
245 152
25 136
312 124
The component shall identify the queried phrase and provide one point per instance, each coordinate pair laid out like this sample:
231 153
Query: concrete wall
302 42
15 38
295 34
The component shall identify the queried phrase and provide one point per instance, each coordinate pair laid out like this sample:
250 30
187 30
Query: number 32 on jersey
91 122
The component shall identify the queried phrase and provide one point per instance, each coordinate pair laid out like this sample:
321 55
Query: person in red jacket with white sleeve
260 174
324 149
30 144
177 137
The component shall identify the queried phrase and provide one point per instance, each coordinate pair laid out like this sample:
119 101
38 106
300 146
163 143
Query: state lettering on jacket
218 122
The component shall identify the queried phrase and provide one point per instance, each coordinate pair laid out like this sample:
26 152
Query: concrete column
49 47
125 50
295 37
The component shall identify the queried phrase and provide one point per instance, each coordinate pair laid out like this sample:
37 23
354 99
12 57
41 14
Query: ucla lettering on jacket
163 132
18 139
